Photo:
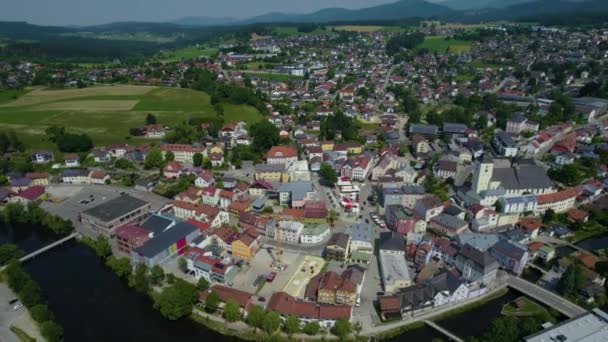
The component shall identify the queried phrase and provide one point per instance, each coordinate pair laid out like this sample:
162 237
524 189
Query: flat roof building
590 326
107 217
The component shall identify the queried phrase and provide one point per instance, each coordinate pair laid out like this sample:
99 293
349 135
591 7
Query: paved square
309 267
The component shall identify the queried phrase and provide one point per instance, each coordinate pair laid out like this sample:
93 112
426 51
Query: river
91 302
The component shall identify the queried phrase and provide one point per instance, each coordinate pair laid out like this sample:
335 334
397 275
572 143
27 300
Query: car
13 301
358 302
17 306
271 276
380 293
262 299
91 195
366 220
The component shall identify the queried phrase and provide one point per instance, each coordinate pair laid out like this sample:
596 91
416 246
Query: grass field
369 28
439 44
527 308
107 113
187 53
270 76
289 31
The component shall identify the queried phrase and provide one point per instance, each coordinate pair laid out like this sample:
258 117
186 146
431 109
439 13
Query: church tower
483 174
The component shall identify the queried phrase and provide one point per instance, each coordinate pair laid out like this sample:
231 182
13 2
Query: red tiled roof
282 152
181 148
556 196
32 193
226 293
286 305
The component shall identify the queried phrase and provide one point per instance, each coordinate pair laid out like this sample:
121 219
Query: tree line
33 214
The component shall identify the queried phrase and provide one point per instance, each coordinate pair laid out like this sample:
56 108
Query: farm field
439 44
369 28
271 76
107 113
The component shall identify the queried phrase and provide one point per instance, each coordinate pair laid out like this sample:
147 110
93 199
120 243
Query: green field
106 115
528 308
440 44
274 77
187 53
289 31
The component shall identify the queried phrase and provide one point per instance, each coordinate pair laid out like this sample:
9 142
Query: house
428 207
242 298
226 198
402 220
106 217
505 145
361 243
204 179
314 233
559 202
213 269
259 188
165 245
271 172
183 153
38 178
446 169
71 160
247 244
281 155
511 256
448 224
217 159
101 156
423 129
475 265
393 269
154 131
518 123
288 231
33 194
333 288
338 247
421 145
42 157
75 177
172 169
325 315
295 194
99 177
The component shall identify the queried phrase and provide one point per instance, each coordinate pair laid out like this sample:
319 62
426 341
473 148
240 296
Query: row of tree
30 295
69 142
33 214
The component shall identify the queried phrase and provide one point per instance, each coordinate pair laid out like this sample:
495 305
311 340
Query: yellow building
327 146
271 172
245 246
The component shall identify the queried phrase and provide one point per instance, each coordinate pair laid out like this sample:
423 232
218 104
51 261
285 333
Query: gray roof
165 239
362 232
483 260
454 128
115 208
522 177
449 221
339 239
590 326
403 190
392 241
512 250
505 139
478 240
298 189
270 167
156 223
423 129
445 280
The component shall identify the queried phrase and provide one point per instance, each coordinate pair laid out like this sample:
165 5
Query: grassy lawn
439 44
528 308
106 117
483 65
274 77
256 65
8 95
187 53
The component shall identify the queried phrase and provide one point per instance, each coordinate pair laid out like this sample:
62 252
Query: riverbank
15 324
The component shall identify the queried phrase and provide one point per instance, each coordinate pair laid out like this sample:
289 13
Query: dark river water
91 302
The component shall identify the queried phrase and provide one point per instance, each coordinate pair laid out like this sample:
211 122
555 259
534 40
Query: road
20 318
546 297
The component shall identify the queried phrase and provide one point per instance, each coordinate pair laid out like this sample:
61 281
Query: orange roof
557 196
282 152
530 223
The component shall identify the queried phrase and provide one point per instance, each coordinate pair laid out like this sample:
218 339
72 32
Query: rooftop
115 208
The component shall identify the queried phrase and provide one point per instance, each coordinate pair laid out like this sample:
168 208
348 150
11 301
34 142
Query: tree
311 328
292 325
102 247
139 279
9 252
154 159
51 331
150 119
272 322
123 164
30 294
328 175
197 159
265 135
357 328
342 328
549 216
41 313
169 156
332 216
212 302
202 284
176 301
255 317
232 311
570 280
120 266
156 275
182 264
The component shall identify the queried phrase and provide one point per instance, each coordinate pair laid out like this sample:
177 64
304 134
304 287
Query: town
384 183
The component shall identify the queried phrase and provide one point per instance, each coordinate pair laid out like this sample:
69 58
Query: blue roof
165 239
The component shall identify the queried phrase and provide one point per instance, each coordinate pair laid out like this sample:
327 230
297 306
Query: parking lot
68 201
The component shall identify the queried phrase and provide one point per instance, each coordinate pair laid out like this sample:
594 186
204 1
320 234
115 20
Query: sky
94 12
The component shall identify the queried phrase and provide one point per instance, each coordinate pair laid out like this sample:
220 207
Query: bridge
49 247
544 296
445 332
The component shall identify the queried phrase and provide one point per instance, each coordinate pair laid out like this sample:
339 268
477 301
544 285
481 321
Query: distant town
380 178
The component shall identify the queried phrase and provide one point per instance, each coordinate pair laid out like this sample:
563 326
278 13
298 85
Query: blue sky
92 12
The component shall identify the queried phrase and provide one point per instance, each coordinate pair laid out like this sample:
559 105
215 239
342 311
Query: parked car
17 306
271 276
